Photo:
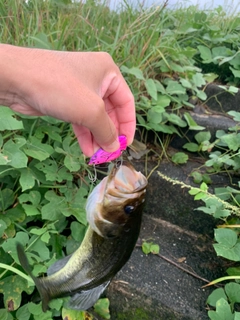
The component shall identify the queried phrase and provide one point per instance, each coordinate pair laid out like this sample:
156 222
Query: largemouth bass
114 212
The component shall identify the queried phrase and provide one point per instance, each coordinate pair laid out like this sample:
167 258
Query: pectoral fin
58 265
85 299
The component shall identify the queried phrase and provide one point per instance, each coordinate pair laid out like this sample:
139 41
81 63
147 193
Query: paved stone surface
149 287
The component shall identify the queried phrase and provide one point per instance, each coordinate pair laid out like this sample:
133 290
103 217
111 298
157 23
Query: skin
83 88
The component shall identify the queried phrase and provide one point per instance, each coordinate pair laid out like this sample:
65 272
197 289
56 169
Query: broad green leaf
4 159
236 315
72 163
235 72
175 119
151 88
14 155
180 157
23 313
191 146
215 296
53 209
205 53
191 123
198 79
38 150
201 94
77 231
3 226
5 315
232 140
68 314
233 292
146 247
133 71
235 115
6 198
8 120
197 176
153 116
202 136
33 196
12 287
101 307
163 100
52 172
228 253
36 310
27 179
225 236
175 88
155 248
9 245
186 83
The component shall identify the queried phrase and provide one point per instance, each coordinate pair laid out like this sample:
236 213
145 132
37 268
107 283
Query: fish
114 212
102 156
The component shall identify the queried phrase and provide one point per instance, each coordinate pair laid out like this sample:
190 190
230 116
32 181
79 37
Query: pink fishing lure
102 156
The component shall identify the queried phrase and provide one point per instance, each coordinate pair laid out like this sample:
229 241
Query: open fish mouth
110 203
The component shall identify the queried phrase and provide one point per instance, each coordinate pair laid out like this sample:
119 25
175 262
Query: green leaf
36 311
146 247
6 198
198 79
225 236
180 157
16 157
40 151
227 245
133 71
8 120
233 292
174 118
77 231
202 136
215 296
191 123
12 287
101 307
191 146
197 176
175 88
27 179
232 140
163 100
235 115
151 88
10 245
3 226
205 53
5 315
68 314
23 313
235 72
223 311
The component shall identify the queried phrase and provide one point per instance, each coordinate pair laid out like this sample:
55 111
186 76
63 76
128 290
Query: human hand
83 88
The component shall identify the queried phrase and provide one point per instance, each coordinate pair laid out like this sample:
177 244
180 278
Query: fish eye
129 209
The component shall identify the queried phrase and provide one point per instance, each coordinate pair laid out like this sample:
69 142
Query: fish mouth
124 179
105 207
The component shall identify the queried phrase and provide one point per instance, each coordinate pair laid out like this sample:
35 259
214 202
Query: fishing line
93 177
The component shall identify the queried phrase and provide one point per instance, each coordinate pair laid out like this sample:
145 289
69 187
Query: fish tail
44 293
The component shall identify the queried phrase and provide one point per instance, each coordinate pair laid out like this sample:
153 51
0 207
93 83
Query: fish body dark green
85 274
